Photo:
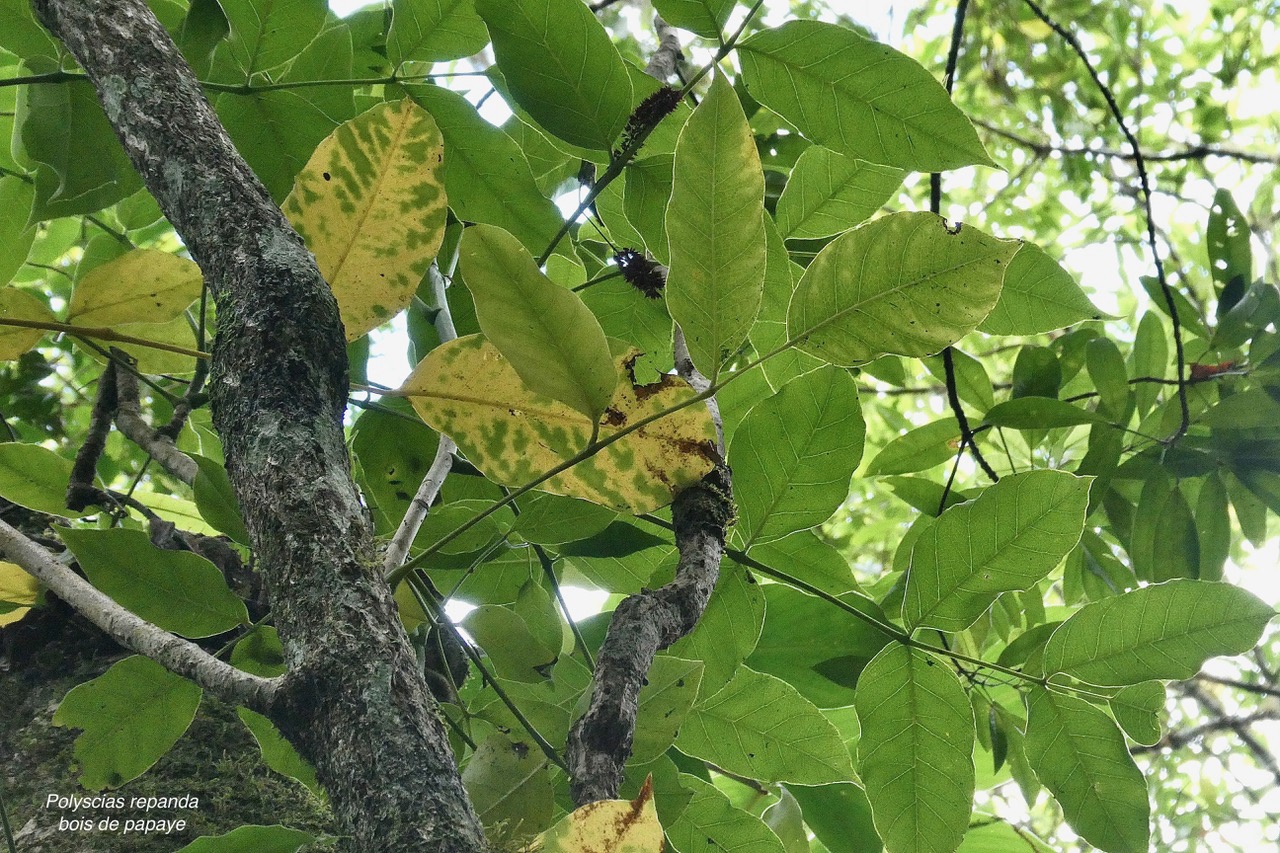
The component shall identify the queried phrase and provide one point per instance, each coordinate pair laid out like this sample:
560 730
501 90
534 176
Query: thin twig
1139 162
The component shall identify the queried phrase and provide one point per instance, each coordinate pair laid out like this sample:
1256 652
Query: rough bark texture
642 625
355 703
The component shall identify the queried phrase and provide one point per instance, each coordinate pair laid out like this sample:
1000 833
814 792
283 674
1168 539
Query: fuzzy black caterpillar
651 110
641 273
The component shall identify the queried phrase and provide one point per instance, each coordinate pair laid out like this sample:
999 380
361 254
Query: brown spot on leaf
614 417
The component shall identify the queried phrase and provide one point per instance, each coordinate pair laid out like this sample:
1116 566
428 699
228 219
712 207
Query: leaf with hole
905 284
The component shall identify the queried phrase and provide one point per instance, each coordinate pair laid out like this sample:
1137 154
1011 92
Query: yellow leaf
371 206
141 286
16 587
607 826
19 305
467 390
176 332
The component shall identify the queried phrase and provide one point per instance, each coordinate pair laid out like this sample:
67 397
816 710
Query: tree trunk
354 701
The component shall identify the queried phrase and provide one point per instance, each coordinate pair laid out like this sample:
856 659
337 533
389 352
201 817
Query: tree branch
429 489
354 700
1200 151
131 424
642 625
131 631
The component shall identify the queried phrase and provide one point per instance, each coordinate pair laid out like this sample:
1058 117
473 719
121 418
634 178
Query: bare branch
429 489
134 427
1200 151
133 632
642 625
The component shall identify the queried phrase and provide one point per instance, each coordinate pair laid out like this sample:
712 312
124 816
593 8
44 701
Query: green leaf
828 193
839 816
627 314
1137 709
1039 296
917 450
131 715
670 689
252 839
620 559
904 284
561 66
1213 527
216 499
278 753
815 647
1080 756
509 785
35 477
806 556
728 630
21 35
276 131
179 591
793 455
1228 238
649 183
268 33
548 519
709 823
715 225
1012 536
551 339
1040 413
1166 631
1110 376
787 822
770 330
996 836
259 652
915 755
351 205
392 452
16 235
973 385
434 31
761 727
485 174
858 97
701 17
82 166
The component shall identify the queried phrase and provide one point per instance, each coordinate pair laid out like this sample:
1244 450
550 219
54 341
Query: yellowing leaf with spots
467 390
141 286
19 305
607 826
18 591
370 205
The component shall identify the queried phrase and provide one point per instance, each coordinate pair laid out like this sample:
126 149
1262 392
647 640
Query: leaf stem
101 333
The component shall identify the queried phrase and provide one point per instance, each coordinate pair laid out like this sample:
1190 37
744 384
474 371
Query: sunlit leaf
915 755
370 205
905 283
1038 296
859 97
710 823
434 31
466 389
761 727
36 478
703 17
1081 757
828 193
252 839
562 67
715 226
1166 631
1009 538
793 455
544 331
509 785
